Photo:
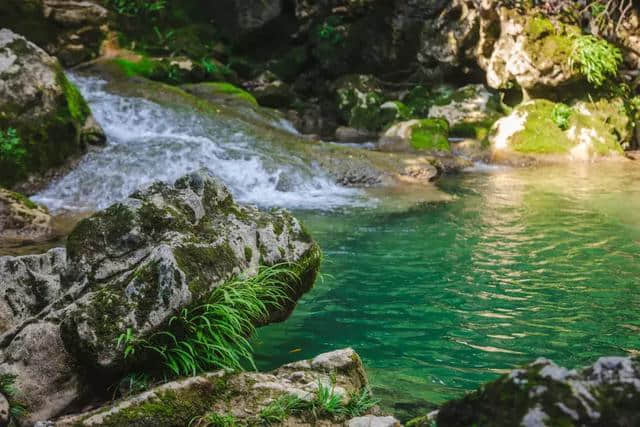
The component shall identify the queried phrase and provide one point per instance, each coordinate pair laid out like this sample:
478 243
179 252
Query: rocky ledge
130 269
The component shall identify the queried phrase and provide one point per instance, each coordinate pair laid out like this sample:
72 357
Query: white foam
148 142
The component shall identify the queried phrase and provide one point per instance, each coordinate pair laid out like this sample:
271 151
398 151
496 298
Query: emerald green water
441 297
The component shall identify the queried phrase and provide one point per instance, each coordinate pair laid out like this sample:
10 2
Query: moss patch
431 134
234 91
205 265
541 135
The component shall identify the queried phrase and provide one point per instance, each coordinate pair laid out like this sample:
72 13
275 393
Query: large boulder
239 18
43 117
417 135
130 268
541 129
71 30
22 220
243 397
543 393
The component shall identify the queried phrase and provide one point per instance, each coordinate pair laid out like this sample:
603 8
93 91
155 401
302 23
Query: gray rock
4 411
270 91
240 18
22 220
133 266
543 393
373 421
242 395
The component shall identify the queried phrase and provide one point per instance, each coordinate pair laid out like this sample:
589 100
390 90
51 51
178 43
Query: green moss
248 253
205 266
78 108
170 408
431 134
541 135
236 92
539 27
145 67
20 198
474 130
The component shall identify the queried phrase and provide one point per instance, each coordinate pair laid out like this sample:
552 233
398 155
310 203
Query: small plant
281 408
330 31
215 334
8 390
12 152
213 419
360 402
327 401
137 8
595 58
131 384
561 114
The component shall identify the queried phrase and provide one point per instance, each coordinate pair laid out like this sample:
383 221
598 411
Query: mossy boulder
270 91
590 130
543 393
136 264
241 396
45 110
417 135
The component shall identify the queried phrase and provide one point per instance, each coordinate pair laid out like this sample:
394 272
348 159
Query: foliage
360 402
595 58
131 384
8 390
327 401
12 151
561 114
431 134
281 408
214 334
137 8
213 419
330 31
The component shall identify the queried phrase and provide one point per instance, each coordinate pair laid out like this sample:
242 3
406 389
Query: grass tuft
595 58
7 389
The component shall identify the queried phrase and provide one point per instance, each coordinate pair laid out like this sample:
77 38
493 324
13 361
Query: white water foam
148 142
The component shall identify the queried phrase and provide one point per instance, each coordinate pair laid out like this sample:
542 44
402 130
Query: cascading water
148 142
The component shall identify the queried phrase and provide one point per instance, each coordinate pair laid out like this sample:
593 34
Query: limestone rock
4 411
359 100
242 395
543 393
21 219
373 421
71 30
417 135
591 130
270 91
46 111
133 266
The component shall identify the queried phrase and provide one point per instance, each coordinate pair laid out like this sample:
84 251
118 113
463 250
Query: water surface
442 297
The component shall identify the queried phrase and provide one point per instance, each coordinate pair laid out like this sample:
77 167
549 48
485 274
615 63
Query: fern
595 58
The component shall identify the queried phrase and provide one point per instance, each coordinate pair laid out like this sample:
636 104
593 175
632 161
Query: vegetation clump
12 151
431 134
595 58
7 388
561 114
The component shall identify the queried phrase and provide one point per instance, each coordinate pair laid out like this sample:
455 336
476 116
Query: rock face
543 393
540 128
243 396
71 30
50 120
133 266
241 17
21 219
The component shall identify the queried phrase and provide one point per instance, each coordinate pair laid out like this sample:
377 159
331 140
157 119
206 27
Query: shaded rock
470 111
4 411
21 219
592 129
346 134
242 395
133 266
543 393
68 29
45 109
239 18
270 91
359 100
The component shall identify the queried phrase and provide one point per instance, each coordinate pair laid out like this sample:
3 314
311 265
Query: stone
270 91
4 411
45 110
21 220
347 134
240 18
417 135
131 267
594 129
359 100
543 393
373 421
243 395
72 30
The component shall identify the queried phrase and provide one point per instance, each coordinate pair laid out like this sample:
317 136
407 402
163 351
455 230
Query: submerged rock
132 267
543 393
42 114
243 397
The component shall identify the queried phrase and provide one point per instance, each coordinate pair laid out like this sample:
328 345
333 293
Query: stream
436 297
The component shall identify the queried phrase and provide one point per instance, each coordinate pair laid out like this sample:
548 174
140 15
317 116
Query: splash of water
148 142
